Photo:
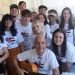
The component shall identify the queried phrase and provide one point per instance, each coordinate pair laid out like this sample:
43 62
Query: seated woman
63 50
3 55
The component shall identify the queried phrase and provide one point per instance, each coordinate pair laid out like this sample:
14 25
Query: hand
1 60
21 72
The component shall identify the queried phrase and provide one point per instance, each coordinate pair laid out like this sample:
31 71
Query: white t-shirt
47 61
12 41
53 27
28 31
21 28
70 33
47 30
2 45
70 54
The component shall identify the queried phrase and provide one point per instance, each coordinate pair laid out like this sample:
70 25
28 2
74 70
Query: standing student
14 11
52 18
33 16
43 19
45 58
3 55
66 23
42 9
25 27
63 50
21 6
14 40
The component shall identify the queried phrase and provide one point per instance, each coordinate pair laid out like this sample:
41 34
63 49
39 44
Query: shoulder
4 44
70 46
25 55
50 52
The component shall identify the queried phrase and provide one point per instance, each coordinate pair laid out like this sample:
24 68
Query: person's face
14 12
66 15
51 18
43 11
58 38
8 23
40 45
37 28
22 6
33 16
41 18
25 19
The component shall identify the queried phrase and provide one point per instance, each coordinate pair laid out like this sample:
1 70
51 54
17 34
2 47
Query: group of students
32 37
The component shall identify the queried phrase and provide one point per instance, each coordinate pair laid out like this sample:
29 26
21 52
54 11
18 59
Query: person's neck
24 24
40 54
7 29
66 21
52 23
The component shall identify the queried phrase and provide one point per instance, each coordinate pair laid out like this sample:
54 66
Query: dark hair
26 12
21 3
45 22
13 6
52 11
63 47
70 19
34 12
42 6
12 28
1 37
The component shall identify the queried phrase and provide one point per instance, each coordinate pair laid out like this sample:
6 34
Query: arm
68 66
56 71
5 56
21 47
19 70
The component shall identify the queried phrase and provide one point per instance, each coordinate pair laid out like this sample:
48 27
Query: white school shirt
28 30
2 45
70 35
47 30
47 61
70 53
21 28
53 27
13 41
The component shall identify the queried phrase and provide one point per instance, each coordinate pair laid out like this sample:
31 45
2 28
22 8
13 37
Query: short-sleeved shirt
46 62
53 27
13 41
28 31
70 53
2 45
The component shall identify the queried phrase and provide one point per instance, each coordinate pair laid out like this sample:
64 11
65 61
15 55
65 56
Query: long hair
12 28
1 37
54 47
70 19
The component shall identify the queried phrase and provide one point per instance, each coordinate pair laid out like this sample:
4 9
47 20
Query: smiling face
66 15
8 23
41 18
25 19
22 6
14 12
40 44
37 27
58 38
